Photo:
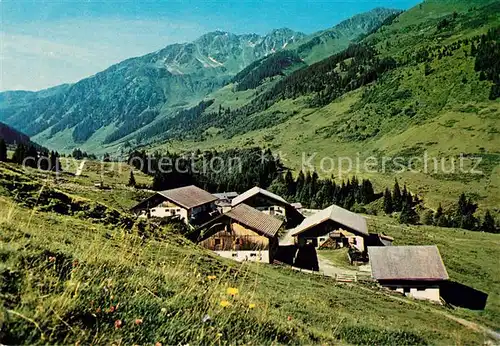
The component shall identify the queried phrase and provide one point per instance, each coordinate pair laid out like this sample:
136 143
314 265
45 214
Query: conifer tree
408 215
299 185
3 150
397 199
489 223
442 221
438 215
55 164
428 217
388 205
131 179
290 184
19 154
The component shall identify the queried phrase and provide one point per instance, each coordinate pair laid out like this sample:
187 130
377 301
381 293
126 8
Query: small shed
415 271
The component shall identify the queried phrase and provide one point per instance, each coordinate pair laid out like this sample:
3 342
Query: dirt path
326 267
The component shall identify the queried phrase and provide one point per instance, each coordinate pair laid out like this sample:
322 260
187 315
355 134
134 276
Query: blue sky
48 42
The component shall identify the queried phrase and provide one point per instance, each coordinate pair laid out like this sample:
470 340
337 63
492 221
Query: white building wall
168 212
240 256
428 294
431 293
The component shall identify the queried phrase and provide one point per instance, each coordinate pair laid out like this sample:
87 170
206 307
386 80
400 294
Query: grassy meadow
471 258
76 278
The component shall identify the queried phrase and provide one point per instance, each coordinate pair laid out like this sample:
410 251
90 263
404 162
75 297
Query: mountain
138 93
12 136
133 93
325 43
425 82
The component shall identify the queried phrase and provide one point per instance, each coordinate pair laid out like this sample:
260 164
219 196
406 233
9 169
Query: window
321 239
253 254
178 210
235 254
153 210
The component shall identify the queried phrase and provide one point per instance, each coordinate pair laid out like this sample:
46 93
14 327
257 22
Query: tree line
231 170
31 156
78 154
313 192
484 48
253 75
401 201
462 215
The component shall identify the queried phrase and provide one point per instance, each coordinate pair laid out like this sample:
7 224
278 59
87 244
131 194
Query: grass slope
67 279
469 258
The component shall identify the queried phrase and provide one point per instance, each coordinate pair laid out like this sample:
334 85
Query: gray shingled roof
255 191
189 196
419 263
337 214
264 224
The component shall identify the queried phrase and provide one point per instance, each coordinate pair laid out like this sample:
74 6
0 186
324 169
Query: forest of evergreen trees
79 155
401 201
253 75
462 215
313 192
231 170
190 121
32 156
487 62
331 77
253 167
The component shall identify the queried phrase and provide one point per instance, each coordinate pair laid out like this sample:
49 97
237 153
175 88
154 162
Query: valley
340 187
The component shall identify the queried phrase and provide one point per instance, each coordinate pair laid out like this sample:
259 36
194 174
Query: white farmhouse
190 203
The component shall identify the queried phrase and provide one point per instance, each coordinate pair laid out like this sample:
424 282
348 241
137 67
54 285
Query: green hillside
423 91
78 277
119 106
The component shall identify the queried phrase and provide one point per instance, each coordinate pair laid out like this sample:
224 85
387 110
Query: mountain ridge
110 105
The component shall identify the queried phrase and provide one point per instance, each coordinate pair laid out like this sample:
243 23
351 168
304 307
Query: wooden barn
242 234
415 271
271 204
336 223
190 203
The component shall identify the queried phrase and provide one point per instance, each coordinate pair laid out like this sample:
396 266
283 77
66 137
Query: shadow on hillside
463 296
304 257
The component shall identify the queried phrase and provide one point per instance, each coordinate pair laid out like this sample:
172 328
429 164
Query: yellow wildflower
224 303
251 305
232 291
211 277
